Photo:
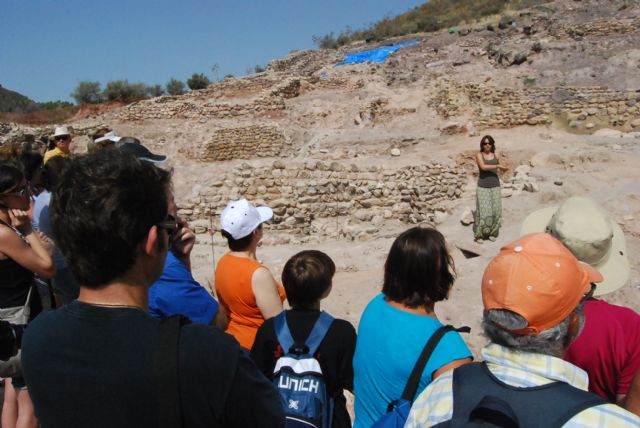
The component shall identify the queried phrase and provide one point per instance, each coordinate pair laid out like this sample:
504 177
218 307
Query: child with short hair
307 279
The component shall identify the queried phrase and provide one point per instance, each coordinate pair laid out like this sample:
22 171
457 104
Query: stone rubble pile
601 27
520 182
305 63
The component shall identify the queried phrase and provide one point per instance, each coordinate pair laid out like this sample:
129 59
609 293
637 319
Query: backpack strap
314 339
318 332
414 379
167 373
282 331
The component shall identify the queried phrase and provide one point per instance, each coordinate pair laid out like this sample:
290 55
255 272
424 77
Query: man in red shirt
608 348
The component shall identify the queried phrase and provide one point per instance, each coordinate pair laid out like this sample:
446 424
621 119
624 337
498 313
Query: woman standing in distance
21 255
244 286
488 198
396 325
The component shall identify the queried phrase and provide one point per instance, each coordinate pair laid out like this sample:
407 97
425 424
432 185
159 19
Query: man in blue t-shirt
177 292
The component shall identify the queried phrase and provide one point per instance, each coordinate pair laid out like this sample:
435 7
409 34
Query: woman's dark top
489 178
15 280
335 354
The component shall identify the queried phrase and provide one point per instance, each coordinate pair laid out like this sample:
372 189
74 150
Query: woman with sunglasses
488 203
22 254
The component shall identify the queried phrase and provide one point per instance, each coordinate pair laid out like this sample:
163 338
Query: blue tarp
375 55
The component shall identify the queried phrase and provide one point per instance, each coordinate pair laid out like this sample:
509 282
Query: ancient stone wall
244 143
157 108
582 107
333 198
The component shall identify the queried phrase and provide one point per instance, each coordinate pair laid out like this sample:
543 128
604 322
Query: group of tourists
136 341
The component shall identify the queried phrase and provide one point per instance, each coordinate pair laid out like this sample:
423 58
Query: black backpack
482 400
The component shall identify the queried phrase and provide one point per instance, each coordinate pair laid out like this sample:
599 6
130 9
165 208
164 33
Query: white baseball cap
241 217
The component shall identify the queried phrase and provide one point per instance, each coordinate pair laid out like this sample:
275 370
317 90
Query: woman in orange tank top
244 286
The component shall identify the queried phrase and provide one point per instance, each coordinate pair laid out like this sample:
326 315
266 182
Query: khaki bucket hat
586 229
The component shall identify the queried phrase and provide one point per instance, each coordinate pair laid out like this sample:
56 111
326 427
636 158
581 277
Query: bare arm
34 256
485 167
265 289
632 400
452 365
221 320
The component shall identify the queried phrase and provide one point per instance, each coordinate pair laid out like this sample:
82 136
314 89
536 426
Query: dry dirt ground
605 168
338 124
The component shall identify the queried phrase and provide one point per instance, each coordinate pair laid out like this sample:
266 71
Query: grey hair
553 341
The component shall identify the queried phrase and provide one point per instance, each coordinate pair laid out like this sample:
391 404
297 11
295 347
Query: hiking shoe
492 238
479 240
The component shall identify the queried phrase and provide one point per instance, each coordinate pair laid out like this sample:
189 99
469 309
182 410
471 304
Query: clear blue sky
48 46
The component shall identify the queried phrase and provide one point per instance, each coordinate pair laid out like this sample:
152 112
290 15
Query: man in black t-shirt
307 279
91 363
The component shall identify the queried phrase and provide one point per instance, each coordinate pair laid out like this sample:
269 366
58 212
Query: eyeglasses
170 224
65 138
486 144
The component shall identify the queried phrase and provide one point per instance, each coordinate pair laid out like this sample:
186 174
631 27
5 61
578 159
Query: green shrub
198 81
175 87
328 41
52 105
122 90
87 93
156 90
431 16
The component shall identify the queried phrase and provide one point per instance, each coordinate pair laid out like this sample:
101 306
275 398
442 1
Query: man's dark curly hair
419 270
102 209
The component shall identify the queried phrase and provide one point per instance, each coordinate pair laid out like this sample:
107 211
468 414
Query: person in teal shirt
396 325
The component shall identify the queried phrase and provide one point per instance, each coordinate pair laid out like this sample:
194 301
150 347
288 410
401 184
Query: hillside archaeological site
348 156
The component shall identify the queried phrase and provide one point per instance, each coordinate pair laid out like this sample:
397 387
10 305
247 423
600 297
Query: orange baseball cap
539 279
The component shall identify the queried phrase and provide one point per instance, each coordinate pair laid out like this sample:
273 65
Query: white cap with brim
109 136
586 229
241 217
